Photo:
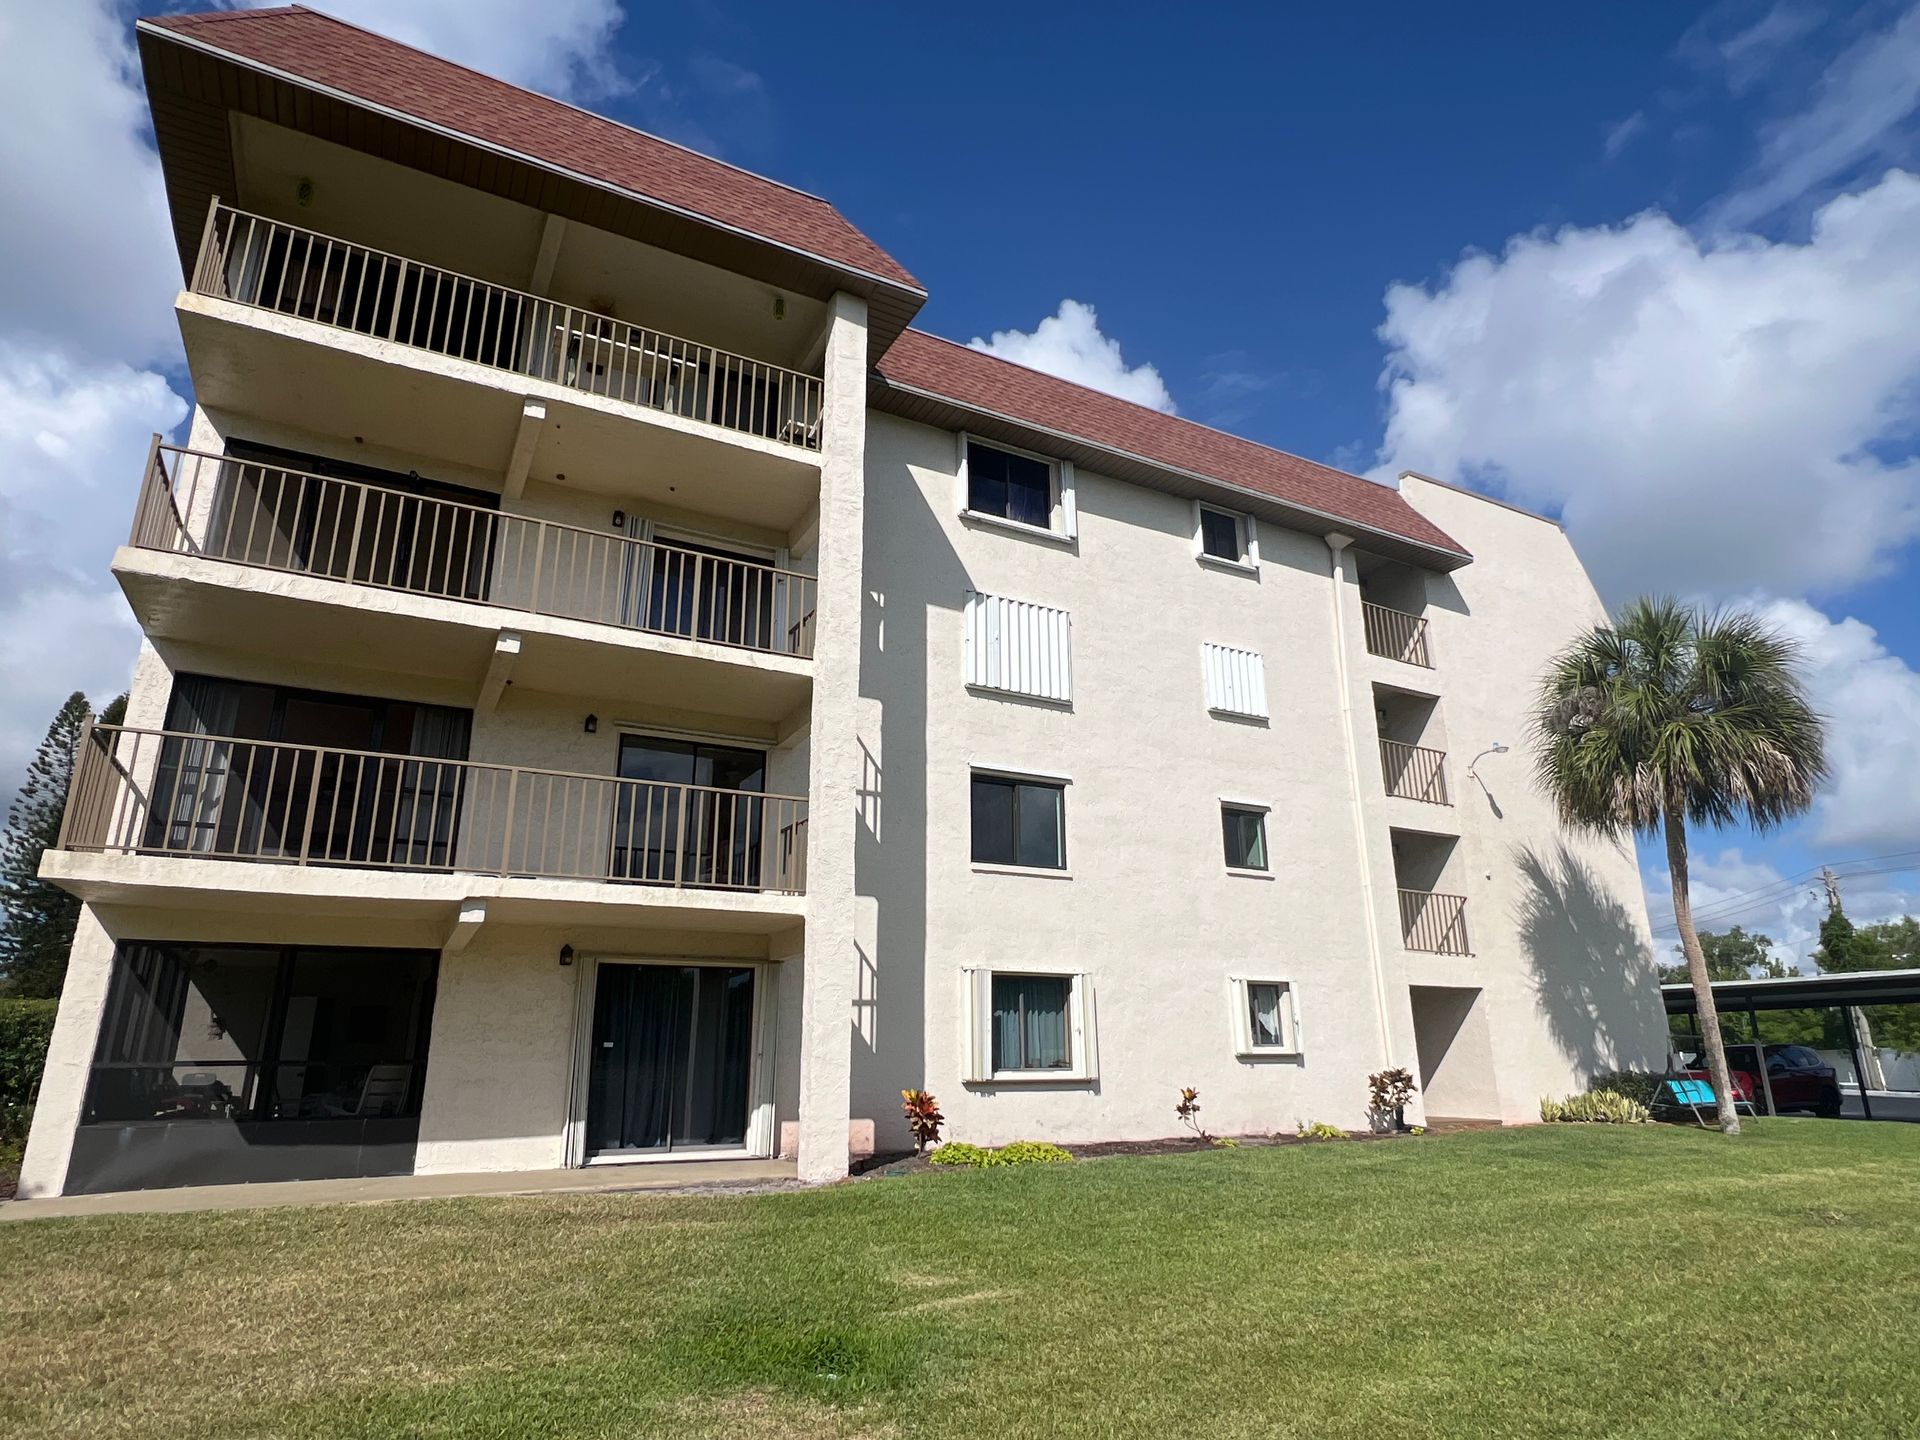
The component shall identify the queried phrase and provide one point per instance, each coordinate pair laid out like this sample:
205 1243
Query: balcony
244 513
269 265
190 800
1414 773
1396 635
1434 923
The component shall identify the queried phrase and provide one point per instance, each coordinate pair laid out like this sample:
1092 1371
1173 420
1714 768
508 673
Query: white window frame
1240 995
1256 807
1248 530
977 1009
1063 514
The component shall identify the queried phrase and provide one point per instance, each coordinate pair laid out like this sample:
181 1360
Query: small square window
1019 822
1223 535
1246 837
1266 1020
1007 486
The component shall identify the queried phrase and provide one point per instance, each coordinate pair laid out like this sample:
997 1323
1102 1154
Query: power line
1731 907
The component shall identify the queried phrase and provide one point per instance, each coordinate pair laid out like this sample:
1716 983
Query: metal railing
1414 773
196 503
291 271
1395 634
171 792
1433 922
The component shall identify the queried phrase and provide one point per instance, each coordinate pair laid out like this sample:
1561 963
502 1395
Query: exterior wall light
592 726
1494 749
566 954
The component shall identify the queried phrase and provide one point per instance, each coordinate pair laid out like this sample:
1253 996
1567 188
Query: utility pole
1866 1059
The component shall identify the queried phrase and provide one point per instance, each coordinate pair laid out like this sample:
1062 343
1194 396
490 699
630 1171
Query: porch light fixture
566 954
1494 749
593 724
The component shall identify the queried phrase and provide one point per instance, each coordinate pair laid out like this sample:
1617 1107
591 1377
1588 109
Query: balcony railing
1435 923
221 508
278 267
1396 634
1414 773
169 792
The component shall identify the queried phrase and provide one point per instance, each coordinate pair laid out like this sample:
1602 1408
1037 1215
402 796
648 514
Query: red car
1797 1076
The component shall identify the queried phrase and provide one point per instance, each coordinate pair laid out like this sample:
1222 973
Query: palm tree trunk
1709 1016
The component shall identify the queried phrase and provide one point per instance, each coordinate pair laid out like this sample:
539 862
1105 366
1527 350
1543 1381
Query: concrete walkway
594 1179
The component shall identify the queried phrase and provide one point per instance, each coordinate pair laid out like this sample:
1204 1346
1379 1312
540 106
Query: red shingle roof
983 382
371 68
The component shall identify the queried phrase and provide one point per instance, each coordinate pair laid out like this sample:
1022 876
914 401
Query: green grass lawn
1569 1282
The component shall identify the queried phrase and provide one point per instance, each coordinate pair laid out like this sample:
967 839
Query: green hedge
25 1028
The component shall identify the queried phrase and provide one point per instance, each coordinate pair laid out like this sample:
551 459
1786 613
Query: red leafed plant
1189 1112
923 1118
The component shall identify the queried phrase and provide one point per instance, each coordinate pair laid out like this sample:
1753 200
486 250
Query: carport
1846 992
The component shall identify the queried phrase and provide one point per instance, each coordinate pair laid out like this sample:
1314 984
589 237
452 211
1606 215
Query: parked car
1798 1078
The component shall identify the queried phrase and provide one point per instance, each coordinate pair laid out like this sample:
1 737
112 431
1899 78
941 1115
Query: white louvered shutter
1019 647
1236 680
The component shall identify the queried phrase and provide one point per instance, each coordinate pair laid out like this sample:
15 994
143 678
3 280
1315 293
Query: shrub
1596 1107
923 1118
958 1152
25 1028
1320 1130
1020 1152
1633 1084
1389 1090
1031 1152
1189 1112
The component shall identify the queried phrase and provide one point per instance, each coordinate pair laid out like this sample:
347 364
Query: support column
831 965
63 1084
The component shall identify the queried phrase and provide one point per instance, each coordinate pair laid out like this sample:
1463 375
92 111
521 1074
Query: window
1246 836
1225 535
1030 1029
1019 647
1019 822
1016 488
1266 1018
1028 1026
1008 486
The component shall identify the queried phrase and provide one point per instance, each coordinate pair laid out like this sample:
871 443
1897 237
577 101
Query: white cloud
74 435
1871 699
1623 134
1860 109
1731 888
84 236
1742 50
559 47
1069 344
1704 416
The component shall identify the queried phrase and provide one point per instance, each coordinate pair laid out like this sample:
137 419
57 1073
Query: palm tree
1675 716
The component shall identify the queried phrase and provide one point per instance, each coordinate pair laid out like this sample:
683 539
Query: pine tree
36 929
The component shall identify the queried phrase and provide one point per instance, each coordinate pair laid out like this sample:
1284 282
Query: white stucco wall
1147 908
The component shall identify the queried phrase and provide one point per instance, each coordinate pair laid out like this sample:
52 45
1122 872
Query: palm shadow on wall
1592 970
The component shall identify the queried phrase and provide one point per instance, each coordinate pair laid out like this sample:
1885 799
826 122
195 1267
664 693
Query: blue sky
1654 268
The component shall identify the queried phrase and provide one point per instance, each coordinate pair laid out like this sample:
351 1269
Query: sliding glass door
671 1068
708 836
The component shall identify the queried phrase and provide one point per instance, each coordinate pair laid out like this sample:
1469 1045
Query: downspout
1338 544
